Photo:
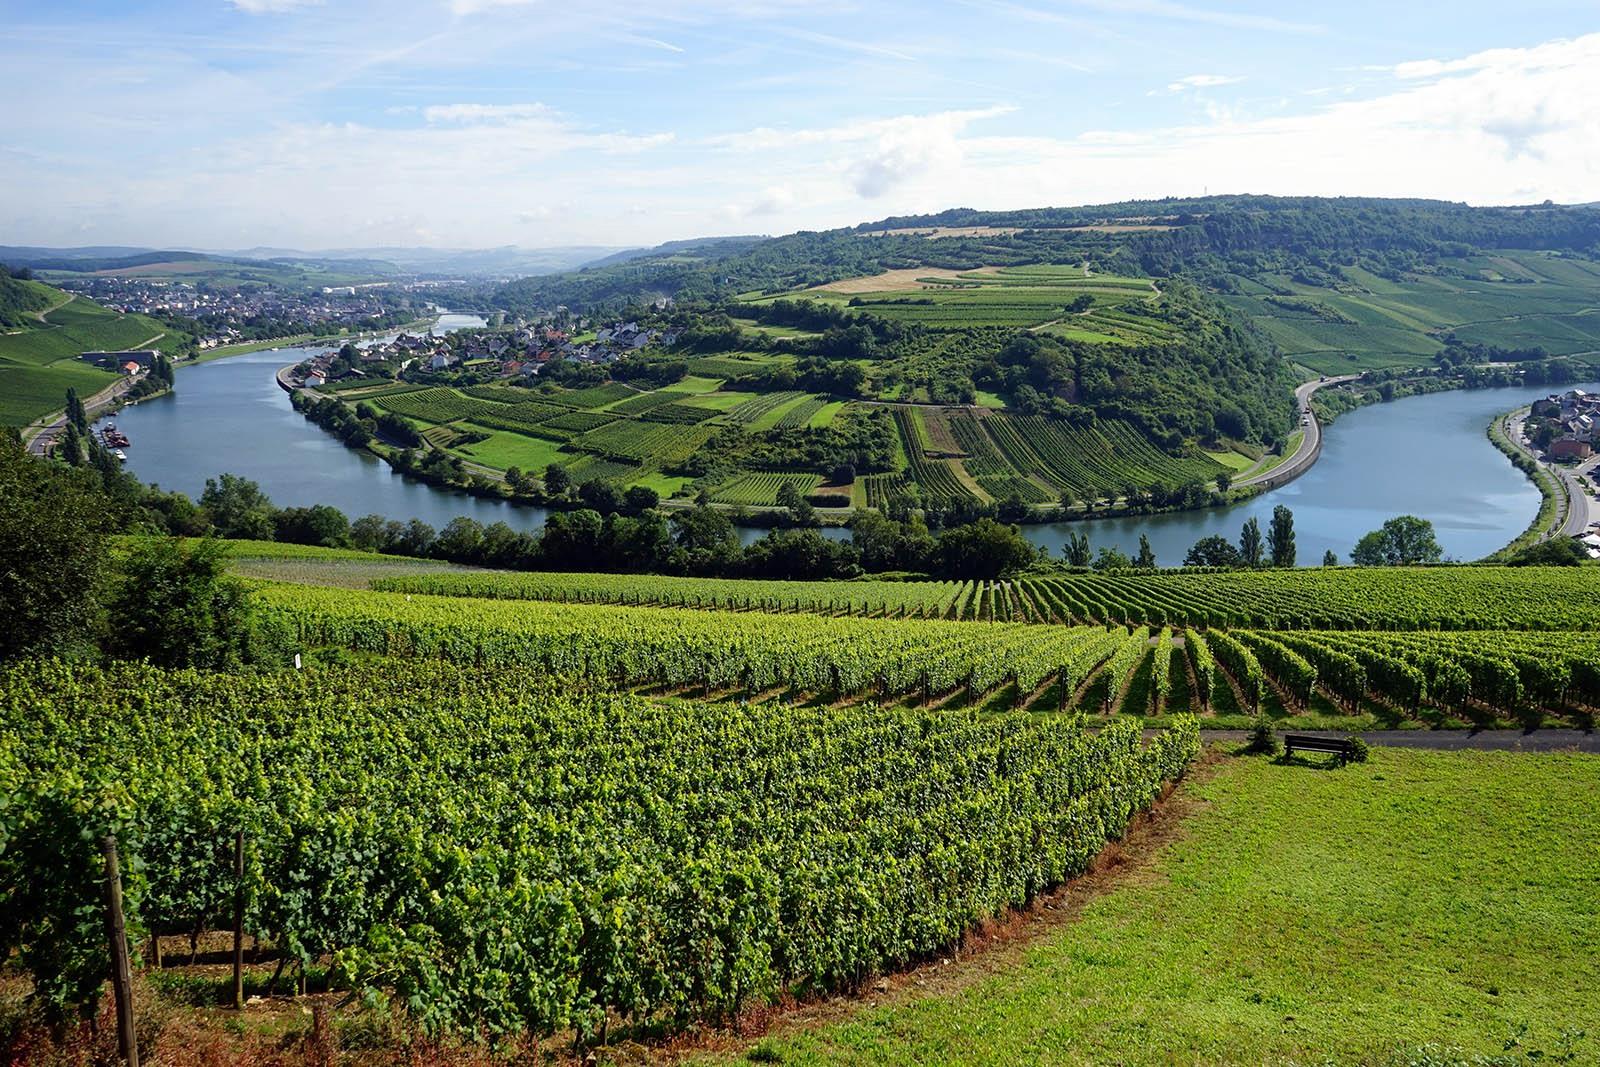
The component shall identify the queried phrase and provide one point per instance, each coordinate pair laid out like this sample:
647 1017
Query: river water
1424 455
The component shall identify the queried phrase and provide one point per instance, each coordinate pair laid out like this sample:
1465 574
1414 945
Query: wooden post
117 939
238 920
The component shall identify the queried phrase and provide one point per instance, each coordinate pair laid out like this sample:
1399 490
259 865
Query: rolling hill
39 354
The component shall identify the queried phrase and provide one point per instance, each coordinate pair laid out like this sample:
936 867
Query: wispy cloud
1202 81
271 7
846 44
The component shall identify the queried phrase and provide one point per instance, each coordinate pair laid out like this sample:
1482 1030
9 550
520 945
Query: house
131 368
440 361
1570 448
314 379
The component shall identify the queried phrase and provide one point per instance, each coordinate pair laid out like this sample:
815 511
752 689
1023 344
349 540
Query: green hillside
39 356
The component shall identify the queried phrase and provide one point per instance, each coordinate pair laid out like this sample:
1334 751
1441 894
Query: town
219 315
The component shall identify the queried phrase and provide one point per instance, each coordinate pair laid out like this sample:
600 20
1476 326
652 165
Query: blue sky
473 123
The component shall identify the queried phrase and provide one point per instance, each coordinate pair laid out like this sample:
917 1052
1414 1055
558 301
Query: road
1310 442
1581 507
44 434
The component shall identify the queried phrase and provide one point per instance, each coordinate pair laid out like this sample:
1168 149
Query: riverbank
1554 500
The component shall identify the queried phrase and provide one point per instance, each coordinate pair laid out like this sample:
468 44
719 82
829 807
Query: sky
324 124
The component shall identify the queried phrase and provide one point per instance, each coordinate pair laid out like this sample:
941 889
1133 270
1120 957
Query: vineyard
762 489
1445 598
502 855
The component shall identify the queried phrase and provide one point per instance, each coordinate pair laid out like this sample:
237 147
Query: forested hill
20 300
1205 236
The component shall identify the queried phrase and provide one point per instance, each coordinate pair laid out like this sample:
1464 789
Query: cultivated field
1512 299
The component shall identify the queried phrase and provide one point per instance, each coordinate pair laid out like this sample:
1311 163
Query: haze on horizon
476 123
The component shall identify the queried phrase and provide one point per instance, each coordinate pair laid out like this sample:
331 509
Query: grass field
504 450
1298 916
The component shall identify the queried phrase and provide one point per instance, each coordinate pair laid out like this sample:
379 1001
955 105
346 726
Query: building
1570 448
141 356
131 368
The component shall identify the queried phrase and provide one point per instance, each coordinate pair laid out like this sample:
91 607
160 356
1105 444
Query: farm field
1293 916
1120 309
723 639
1435 598
38 364
1513 299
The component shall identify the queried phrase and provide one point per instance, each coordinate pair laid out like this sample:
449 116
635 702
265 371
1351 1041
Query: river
1424 455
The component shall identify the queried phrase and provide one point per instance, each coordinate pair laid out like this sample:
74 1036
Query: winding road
1310 442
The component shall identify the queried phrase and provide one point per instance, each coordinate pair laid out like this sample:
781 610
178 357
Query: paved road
1455 740
44 437
1581 507
1310 442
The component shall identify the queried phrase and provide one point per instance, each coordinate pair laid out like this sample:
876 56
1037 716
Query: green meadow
1298 915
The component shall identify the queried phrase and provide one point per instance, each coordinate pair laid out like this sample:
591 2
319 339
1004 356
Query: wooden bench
1330 746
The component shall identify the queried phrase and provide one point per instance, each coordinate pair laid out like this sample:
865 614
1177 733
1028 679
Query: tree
1280 535
705 539
1147 555
176 606
1076 549
238 508
983 549
368 533
556 480
51 555
1066 501
76 415
320 524
1111 559
1403 541
1250 543
1330 558
461 540
600 495
1213 551
640 498
1224 482
1013 509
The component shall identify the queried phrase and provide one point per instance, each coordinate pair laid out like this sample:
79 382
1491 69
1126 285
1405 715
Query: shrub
1262 739
1360 751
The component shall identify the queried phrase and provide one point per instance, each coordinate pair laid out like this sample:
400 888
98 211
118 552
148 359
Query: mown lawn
1302 916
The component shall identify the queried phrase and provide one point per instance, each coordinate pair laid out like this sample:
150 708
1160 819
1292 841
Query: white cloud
486 113
1202 81
271 7
775 199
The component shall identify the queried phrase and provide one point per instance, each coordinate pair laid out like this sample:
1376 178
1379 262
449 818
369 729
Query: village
519 350
232 314
1565 426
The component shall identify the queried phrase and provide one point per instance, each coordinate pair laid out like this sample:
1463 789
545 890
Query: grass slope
39 361
1304 916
